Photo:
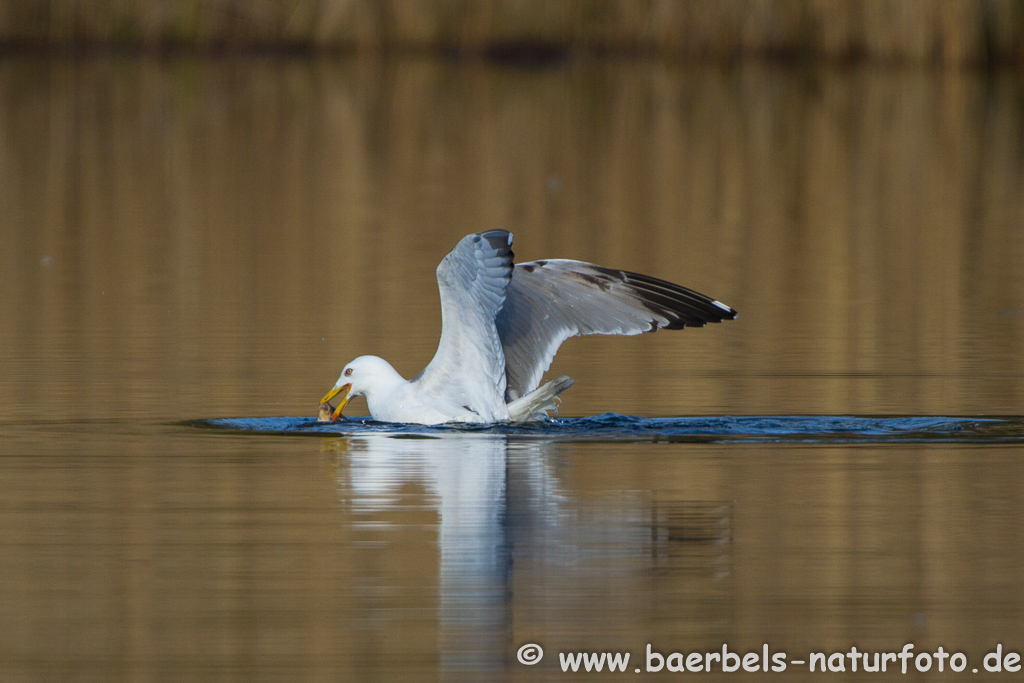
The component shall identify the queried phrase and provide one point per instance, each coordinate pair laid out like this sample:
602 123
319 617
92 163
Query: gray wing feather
549 301
472 280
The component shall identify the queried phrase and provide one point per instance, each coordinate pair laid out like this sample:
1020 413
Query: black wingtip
729 313
681 306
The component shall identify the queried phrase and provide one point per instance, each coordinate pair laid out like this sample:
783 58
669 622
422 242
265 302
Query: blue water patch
828 429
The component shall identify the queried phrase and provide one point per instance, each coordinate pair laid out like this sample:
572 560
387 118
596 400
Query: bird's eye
348 372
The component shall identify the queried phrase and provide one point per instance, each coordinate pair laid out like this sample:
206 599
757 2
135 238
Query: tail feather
536 404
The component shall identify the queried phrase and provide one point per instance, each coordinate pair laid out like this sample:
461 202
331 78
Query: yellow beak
334 392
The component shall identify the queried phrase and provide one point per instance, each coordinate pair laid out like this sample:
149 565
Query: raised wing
549 301
472 280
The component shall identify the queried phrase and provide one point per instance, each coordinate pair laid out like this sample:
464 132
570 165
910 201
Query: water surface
190 250
822 429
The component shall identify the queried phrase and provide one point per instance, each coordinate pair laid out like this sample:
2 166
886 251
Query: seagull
501 325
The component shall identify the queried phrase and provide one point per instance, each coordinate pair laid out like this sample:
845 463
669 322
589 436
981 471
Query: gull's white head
359 377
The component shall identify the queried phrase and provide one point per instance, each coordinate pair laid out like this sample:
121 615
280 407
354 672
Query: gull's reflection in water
499 508
487 494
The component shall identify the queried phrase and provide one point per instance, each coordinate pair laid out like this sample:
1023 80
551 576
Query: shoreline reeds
939 32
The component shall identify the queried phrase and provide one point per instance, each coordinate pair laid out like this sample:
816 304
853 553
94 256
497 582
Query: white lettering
727 658
593 661
906 653
570 660
651 654
617 661
852 654
997 656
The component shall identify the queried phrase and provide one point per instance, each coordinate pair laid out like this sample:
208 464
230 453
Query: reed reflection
235 230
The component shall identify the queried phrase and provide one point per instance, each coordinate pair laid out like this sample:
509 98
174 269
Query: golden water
191 239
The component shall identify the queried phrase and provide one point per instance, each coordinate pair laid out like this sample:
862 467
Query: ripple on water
830 429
